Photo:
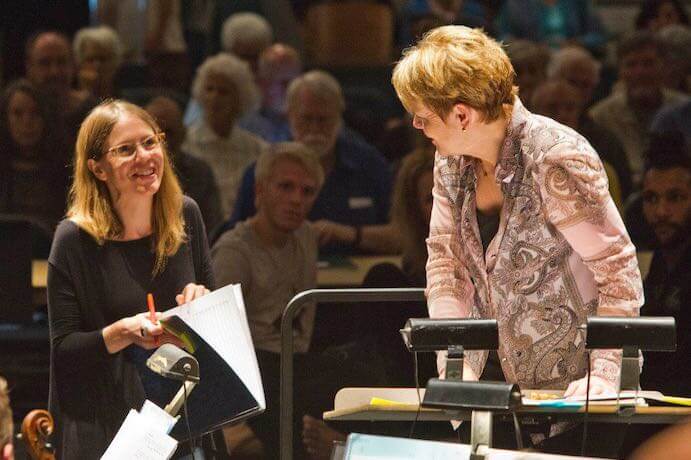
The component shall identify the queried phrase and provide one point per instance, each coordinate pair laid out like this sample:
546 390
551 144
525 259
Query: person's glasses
127 150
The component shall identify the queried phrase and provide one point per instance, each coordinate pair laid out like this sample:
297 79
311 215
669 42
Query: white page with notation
220 319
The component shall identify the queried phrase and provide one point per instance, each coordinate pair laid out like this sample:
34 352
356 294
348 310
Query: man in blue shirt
351 211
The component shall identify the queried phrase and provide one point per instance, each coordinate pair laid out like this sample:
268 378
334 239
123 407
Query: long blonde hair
90 205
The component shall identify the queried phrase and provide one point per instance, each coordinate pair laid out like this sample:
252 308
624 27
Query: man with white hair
352 209
98 55
224 88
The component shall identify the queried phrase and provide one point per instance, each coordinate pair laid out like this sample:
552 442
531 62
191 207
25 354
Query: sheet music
139 438
220 319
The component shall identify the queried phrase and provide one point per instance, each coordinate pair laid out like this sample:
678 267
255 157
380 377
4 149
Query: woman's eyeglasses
127 150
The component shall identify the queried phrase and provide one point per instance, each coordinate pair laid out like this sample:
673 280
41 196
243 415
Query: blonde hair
90 205
456 64
6 426
405 208
293 151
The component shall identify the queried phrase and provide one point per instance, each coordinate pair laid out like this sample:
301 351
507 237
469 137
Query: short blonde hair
456 64
293 151
6 427
90 205
237 72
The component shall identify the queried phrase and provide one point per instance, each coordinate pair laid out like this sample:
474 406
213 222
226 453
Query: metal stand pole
293 307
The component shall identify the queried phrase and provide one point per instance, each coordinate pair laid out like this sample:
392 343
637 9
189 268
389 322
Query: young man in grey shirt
273 256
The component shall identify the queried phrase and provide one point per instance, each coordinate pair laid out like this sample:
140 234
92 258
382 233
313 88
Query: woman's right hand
138 330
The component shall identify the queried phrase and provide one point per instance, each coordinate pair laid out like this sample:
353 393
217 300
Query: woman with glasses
129 232
554 250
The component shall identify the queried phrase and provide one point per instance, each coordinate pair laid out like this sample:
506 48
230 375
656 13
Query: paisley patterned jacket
561 253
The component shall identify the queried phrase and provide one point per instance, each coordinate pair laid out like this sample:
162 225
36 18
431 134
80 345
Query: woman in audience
129 232
657 14
97 55
225 89
33 180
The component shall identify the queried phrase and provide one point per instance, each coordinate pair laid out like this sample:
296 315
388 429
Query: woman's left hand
191 292
598 386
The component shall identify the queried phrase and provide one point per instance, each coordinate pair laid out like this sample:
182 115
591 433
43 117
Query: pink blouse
561 253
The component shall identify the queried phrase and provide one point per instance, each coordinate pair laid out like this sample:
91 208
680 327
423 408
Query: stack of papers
144 435
553 398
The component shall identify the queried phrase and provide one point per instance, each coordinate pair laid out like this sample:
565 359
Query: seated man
667 210
6 427
354 202
273 255
628 113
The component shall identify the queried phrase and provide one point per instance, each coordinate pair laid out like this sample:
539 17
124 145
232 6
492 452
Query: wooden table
353 404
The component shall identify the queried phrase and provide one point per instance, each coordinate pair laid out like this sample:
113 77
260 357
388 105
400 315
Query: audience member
627 113
674 117
529 61
246 35
225 89
561 101
657 14
165 46
671 444
414 14
578 67
552 22
196 177
273 255
353 206
6 426
667 210
278 65
33 181
676 40
50 68
97 54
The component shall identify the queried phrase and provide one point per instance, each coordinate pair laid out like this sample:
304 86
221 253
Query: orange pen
152 310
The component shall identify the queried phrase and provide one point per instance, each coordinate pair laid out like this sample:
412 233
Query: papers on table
625 398
144 435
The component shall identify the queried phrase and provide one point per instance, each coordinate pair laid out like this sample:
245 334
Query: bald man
196 177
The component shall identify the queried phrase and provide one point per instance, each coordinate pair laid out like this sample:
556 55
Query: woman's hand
191 292
598 386
138 330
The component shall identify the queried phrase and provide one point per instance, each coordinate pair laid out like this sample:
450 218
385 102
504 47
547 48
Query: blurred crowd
230 82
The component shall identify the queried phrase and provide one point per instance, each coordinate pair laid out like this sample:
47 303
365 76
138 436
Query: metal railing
294 306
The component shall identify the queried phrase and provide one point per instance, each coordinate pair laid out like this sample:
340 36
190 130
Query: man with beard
352 209
628 112
667 210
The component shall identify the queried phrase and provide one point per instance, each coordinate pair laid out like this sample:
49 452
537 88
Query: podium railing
294 306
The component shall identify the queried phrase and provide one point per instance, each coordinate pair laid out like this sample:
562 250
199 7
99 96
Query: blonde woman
560 252
128 232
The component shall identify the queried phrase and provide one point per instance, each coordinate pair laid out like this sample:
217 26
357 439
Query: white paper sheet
220 319
139 438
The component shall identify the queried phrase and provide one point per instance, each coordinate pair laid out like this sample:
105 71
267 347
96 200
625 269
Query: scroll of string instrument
37 428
